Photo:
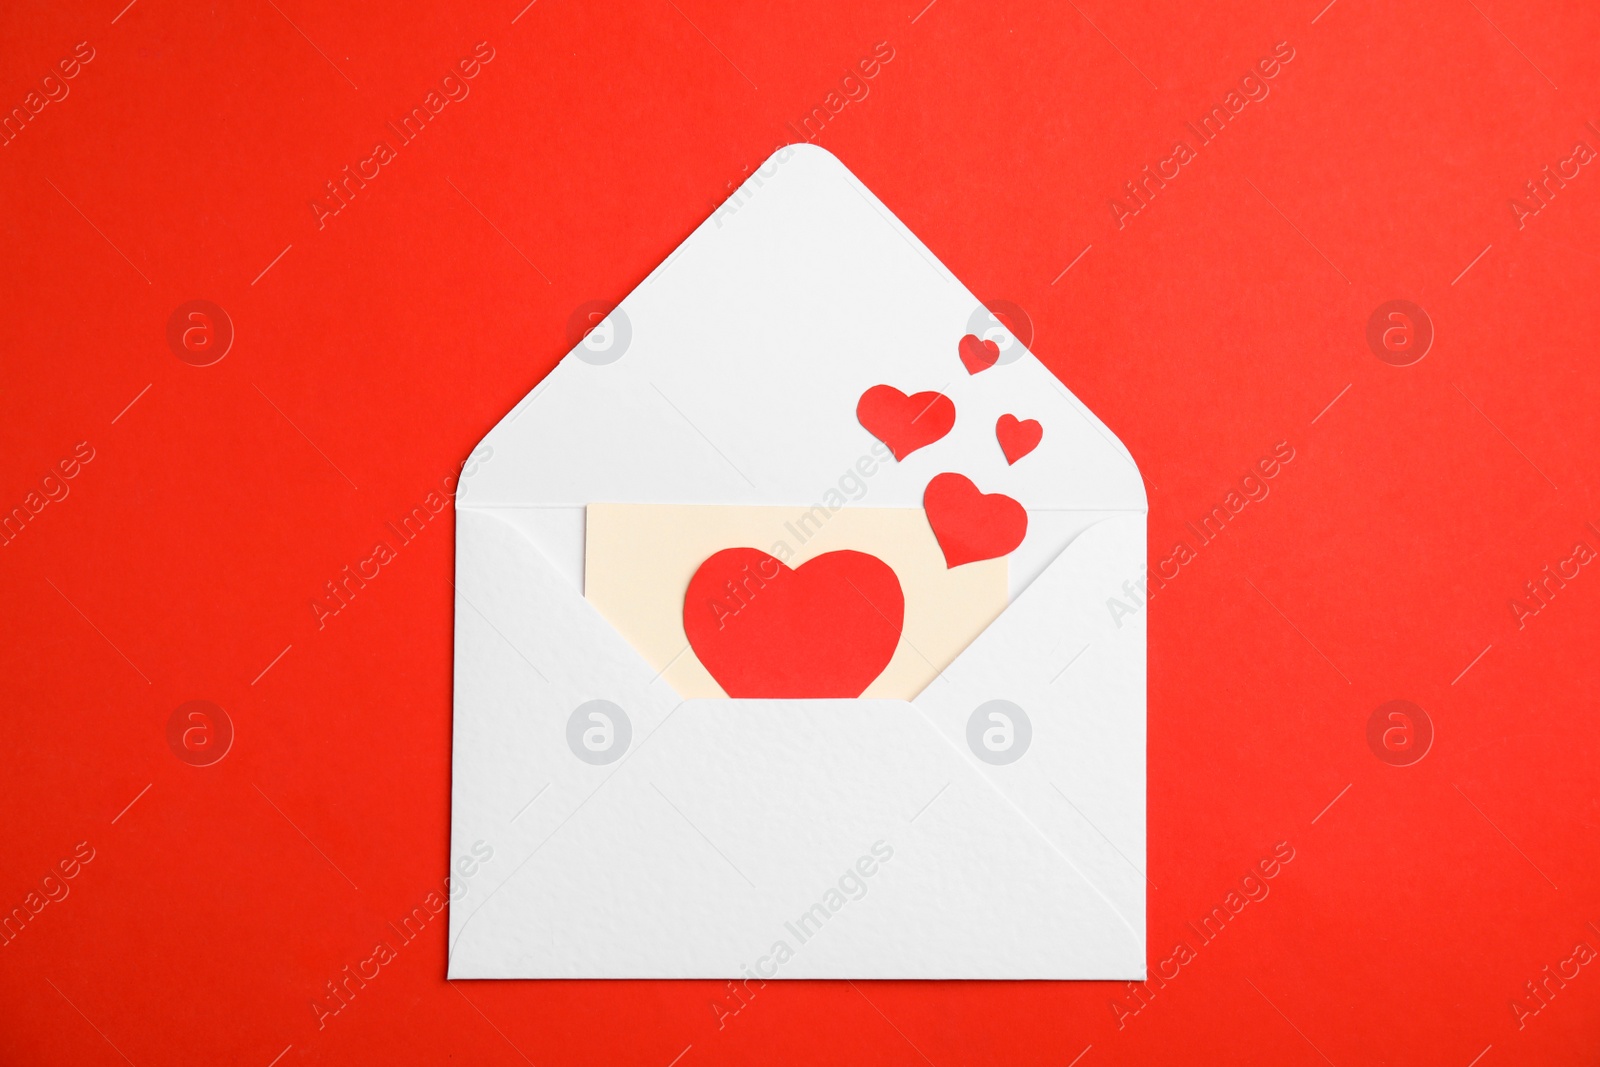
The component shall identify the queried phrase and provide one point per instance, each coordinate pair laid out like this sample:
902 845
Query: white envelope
632 834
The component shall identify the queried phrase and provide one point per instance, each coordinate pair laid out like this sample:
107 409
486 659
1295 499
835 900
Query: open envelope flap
736 366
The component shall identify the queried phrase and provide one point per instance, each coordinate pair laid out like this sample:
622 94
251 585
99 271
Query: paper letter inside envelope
638 559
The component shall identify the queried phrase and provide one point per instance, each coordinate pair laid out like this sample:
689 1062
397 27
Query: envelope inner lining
669 575
980 595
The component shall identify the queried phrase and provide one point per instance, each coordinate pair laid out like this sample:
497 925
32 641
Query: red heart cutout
905 423
970 525
827 628
1017 437
978 355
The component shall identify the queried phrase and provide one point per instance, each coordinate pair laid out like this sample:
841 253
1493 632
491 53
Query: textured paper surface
644 835
638 559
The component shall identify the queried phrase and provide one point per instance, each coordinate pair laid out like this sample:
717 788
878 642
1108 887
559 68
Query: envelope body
993 826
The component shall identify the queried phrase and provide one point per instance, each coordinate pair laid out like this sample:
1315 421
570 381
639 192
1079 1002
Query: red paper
905 423
1017 437
826 628
978 355
969 524
1206 319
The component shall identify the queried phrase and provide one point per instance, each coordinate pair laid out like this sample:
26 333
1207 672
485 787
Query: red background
1222 319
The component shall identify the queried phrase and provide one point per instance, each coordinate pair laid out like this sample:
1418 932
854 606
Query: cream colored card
639 558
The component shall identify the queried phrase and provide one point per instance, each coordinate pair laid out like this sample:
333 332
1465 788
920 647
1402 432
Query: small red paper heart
826 628
905 423
1017 437
978 355
970 525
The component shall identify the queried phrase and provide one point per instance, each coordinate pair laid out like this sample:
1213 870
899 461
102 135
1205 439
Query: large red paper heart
1017 437
826 628
977 355
905 423
971 525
